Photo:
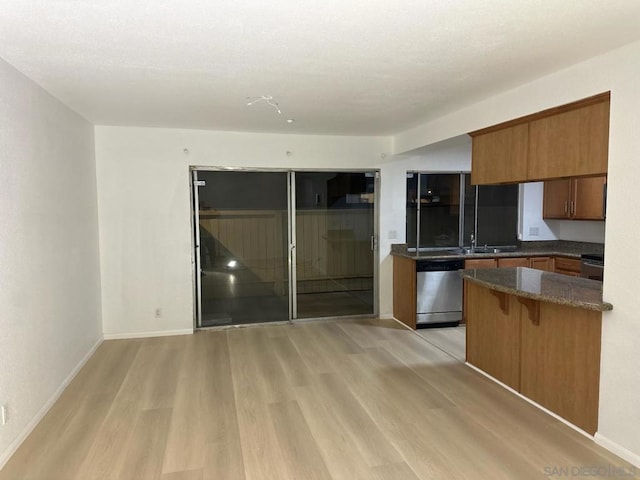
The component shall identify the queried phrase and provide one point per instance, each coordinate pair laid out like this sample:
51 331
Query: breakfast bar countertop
540 285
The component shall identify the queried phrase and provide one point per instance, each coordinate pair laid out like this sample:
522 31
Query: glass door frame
291 238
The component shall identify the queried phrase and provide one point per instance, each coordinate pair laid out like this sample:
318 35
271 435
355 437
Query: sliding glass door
277 246
335 243
241 247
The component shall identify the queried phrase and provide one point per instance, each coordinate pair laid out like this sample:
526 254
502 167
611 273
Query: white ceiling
347 67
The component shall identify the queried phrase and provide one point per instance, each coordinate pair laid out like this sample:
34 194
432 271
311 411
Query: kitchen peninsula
539 333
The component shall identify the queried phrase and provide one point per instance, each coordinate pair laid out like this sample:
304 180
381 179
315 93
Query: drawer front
569 264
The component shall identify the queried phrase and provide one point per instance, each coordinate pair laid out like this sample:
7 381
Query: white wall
617 71
144 210
531 214
49 274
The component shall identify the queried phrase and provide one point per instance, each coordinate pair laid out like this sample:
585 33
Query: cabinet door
480 263
556 199
513 262
542 263
500 156
572 143
560 362
589 198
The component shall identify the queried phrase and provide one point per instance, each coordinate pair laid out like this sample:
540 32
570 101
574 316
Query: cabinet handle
566 207
573 208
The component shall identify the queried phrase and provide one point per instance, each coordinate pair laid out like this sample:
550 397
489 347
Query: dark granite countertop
558 248
541 285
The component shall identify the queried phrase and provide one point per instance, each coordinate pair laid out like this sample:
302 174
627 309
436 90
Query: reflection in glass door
334 243
242 236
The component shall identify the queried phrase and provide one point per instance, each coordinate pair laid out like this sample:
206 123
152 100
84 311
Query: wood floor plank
261 455
186 438
146 446
394 471
342 457
361 332
224 460
161 383
311 352
405 428
223 450
291 362
301 456
107 453
363 431
186 475
451 339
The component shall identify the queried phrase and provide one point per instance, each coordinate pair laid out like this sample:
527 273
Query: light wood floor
450 339
319 400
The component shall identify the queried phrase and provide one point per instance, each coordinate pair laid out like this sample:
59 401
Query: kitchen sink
489 249
485 250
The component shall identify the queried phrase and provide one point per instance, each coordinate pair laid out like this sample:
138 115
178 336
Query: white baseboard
159 333
617 449
6 455
386 316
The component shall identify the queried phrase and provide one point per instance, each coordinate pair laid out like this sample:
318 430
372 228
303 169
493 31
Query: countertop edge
516 254
601 307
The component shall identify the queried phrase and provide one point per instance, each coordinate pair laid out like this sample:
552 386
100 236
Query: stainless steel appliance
439 292
592 266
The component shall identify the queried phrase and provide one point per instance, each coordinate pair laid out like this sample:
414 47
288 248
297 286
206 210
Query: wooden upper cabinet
570 144
589 197
500 156
567 141
575 198
556 199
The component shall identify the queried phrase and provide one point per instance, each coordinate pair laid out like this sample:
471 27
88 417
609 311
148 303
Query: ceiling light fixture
291 120
264 98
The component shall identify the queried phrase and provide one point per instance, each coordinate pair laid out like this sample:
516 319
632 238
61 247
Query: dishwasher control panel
444 265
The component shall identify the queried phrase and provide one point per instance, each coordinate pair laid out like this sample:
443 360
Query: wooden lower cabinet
404 290
542 263
481 263
550 353
493 340
474 263
567 266
507 262
560 362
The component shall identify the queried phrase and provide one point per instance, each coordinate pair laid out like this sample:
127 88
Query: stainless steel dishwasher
439 292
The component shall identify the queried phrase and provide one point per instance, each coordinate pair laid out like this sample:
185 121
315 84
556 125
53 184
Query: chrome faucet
473 241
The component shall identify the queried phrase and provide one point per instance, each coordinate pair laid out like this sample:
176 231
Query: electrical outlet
4 414
534 231
393 234
158 312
